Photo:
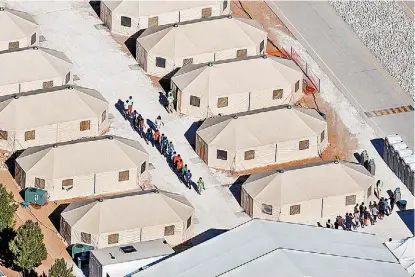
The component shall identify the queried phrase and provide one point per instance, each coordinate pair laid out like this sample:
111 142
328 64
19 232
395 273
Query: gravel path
385 28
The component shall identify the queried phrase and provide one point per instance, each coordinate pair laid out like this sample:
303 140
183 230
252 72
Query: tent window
277 94
187 61
294 209
369 191
68 77
225 4
153 21
323 135
297 86
222 102
48 84
124 175
85 125
241 53
267 209
160 62
67 184
169 230
39 183
221 155
113 238
143 167
206 12
33 39
125 21
13 45
3 135
194 101
250 155
350 200
303 144
29 135
85 237
189 222
261 46
104 116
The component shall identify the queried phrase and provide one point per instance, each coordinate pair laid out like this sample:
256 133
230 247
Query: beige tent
307 193
128 17
162 49
262 137
17 29
53 115
128 219
33 68
84 167
236 85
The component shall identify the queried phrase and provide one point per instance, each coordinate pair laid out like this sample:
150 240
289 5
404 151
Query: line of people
161 142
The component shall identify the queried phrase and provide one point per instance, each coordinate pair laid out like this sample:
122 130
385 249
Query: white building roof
201 36
137 9
127 212
312 181
29 110
255 128
99 154
16 25
237 76
31 64
404 250
268 249
141 250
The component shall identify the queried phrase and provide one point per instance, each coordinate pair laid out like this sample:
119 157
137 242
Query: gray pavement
354 70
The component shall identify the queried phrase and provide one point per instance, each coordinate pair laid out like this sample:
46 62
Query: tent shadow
165 81
11 162
190 134
407 217
96 6
236 187
379 144
131 43
55 216
205 236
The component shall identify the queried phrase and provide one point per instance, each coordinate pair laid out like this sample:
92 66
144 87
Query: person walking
365 216
348 222
379 185
329 224
176 159
201 185
156 138
170 151
184 171
374 212
392 201
179 167
361 208
141 126
130 105
188 179
149 136
356 208
164 141
158 122
356 220
134 116
170 102
125 112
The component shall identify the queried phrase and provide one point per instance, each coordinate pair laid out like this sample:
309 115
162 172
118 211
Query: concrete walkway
349 64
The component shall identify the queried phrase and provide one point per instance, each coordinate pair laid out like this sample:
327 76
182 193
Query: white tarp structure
33 68
83 167
404 250
307 193
127 17
261 137
236 85
53 115
162 49
17 29
269 249
128 218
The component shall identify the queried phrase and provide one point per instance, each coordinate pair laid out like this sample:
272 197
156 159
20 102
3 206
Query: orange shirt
179 165
176 159
156 135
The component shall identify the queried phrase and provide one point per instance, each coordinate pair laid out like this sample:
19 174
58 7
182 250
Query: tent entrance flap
202 149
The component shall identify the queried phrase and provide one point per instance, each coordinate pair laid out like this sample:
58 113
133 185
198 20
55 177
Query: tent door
276 150
178 98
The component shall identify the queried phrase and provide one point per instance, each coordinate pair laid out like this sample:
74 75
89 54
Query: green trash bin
79 248
36 196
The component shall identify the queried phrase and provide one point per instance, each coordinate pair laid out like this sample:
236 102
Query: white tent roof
268 248
137 210
313 181
201 36
50 106
16 25
82 157
137 9
247 130
32 63
404 250
237 76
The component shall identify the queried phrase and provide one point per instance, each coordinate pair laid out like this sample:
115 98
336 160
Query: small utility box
36 196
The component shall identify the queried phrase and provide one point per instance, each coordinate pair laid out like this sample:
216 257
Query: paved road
354 70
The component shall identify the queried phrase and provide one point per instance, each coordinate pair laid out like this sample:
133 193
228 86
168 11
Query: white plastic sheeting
404 250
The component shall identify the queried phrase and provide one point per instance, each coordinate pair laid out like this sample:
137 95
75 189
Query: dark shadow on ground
151 124
190 134
407 217
379 144
166 80
11 162
357 157
6 257
205 236
96 6
236 187
55 216
163 100
131 43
